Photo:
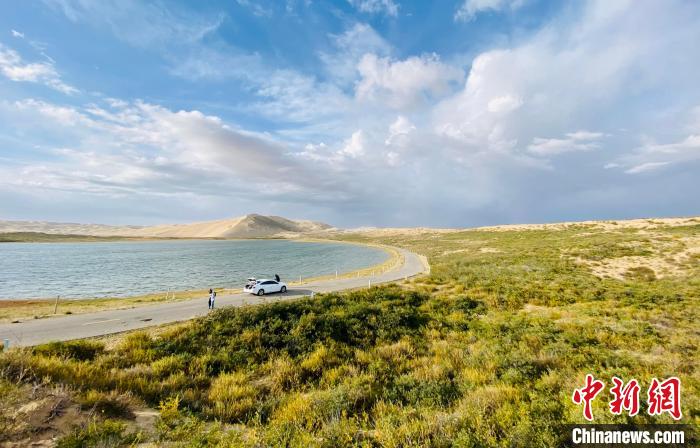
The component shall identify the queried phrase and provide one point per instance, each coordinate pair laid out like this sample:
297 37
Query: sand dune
60 228
642 224
260 226
249 226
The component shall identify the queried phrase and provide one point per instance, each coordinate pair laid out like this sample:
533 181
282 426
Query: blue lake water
122 269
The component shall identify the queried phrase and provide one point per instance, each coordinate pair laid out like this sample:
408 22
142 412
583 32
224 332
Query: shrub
81 350
168 365
170 415
643 273
98 433
317 361
136 348
284 374
109 404
231 397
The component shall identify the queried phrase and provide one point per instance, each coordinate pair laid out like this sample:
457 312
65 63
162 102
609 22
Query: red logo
665 397
586 394
625 397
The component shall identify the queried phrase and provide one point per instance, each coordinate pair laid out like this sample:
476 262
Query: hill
38 237
65 228
248 226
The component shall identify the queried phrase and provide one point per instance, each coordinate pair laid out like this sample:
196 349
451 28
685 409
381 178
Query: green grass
486 351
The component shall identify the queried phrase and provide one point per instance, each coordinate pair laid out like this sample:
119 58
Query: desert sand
643 223
260 226
248 226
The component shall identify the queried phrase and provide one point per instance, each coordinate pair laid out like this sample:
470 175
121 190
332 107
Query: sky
451 113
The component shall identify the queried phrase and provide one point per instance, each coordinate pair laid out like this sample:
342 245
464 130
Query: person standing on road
212 298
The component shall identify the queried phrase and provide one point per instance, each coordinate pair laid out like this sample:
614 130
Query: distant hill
248 226
64 228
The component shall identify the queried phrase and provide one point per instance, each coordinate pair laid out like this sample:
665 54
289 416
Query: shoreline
27 332
12 310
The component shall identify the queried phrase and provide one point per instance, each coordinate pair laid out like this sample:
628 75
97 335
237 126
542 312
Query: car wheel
284 289
261 292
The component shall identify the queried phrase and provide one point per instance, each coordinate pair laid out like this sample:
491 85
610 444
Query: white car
264 286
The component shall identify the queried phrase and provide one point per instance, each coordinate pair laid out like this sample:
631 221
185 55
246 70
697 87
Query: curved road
38 331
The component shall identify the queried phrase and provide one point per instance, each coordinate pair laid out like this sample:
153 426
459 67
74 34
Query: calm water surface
121 269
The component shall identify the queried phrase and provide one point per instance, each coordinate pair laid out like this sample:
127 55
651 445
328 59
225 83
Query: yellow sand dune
248 226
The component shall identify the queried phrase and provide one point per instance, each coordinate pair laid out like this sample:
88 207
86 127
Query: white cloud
471 8
646 167
387 7
479 116
145 150
568 74
393 158
399 132
654 156
14 68
574 141
292 96
257 9
504 104
404 82
348 49
585 135
138 148
283 94
17 34
63 115
355 146
139 23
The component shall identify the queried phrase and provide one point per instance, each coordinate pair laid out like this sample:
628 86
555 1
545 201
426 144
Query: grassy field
485 351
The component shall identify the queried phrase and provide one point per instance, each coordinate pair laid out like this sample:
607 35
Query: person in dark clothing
277 278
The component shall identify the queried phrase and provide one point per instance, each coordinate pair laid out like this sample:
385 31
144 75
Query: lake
127 268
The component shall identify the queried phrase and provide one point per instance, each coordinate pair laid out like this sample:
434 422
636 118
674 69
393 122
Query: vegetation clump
103 433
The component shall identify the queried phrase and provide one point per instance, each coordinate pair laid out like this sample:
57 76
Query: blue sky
360 112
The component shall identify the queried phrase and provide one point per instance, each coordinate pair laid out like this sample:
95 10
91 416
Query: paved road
38 331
